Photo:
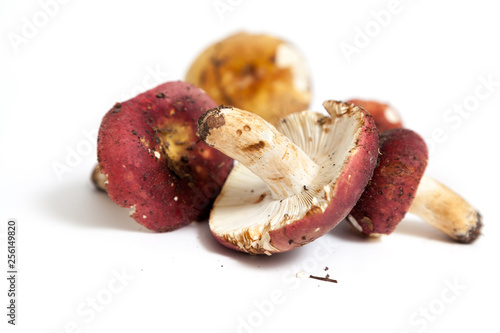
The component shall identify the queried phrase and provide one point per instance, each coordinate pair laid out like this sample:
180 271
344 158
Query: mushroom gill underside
246 211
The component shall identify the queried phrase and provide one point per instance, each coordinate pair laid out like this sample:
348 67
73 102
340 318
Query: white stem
99 179
258 145
445 210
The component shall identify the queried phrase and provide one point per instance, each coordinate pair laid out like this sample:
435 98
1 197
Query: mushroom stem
258 145
445 210
98 179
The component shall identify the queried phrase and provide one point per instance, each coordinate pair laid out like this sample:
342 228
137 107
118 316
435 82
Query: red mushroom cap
153 160
390 193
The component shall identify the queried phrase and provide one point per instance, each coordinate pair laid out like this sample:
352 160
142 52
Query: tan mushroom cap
256 72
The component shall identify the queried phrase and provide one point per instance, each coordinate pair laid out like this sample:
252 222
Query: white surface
73 240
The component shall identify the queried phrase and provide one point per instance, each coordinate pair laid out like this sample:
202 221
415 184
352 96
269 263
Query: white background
73 241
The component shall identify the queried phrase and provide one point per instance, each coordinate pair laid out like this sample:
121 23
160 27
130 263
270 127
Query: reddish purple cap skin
395 180
166 194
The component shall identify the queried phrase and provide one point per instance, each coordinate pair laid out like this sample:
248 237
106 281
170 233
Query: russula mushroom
384 115
153 161
255 72
294 182
398 185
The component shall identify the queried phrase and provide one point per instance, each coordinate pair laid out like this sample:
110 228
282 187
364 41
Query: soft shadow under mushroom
209 242
81 204
345 232
417 228
409 226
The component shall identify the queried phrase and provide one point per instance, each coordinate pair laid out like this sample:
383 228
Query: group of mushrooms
168 153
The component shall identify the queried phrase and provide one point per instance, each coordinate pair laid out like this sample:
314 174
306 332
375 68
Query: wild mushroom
153 161
255 72
295 181
384 115
398 185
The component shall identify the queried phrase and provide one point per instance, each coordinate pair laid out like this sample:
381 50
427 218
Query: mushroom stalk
98 179
445 210
258 145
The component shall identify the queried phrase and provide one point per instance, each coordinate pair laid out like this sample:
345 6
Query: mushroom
384 115
255 72
294 182
398 185
152 162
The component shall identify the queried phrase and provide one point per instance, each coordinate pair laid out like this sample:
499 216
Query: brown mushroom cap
255 72
153 160
390 193
384 115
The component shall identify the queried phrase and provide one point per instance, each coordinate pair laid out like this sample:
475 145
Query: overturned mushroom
151 161
398 186
295 181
